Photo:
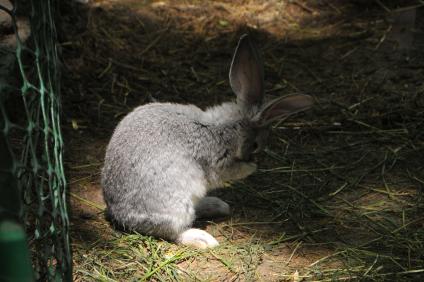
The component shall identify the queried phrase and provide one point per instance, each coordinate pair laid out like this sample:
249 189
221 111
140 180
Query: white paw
212 207
197 238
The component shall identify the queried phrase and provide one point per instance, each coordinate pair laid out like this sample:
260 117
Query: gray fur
163 158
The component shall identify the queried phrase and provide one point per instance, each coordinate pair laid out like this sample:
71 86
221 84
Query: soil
361 142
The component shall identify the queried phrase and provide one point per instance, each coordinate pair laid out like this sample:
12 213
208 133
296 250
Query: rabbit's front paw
197 238
249 168
245 169
239 170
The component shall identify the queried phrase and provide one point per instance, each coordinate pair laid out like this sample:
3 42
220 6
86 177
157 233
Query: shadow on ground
339 190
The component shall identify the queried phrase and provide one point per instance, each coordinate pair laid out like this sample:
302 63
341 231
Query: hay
339 192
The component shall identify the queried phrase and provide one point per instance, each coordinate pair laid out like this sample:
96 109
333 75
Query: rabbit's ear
246 74
283 107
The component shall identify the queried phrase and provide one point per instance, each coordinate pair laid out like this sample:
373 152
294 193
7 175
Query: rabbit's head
247 82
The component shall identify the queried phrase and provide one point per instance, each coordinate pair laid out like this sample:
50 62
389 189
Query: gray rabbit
163 158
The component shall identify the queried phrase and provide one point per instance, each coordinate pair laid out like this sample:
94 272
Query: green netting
31 136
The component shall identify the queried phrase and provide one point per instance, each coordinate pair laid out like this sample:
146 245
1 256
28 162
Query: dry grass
339 193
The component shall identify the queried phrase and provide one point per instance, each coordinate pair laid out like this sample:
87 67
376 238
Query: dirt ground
339 191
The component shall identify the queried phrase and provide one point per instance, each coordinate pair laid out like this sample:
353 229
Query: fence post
15 263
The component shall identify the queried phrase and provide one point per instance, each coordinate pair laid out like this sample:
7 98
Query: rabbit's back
150 129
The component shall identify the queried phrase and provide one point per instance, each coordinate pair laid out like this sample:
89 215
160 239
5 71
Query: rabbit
164 158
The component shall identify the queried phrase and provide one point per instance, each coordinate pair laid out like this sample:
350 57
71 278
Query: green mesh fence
33 186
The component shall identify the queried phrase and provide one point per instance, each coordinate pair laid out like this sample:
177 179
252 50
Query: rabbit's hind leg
177 228
161 225
174 227
212 207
